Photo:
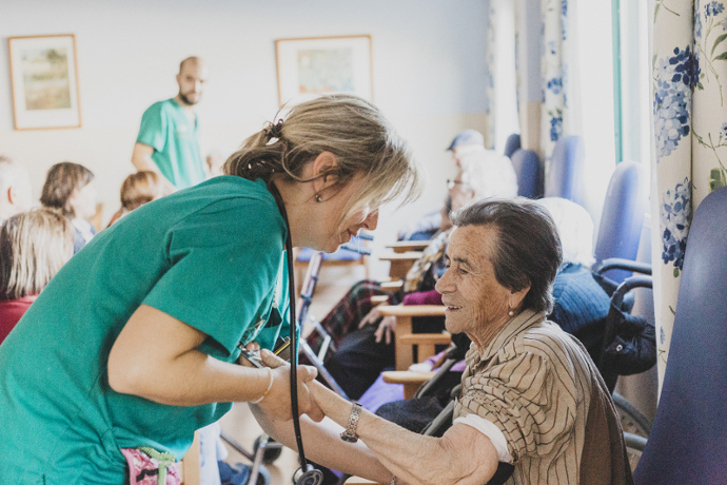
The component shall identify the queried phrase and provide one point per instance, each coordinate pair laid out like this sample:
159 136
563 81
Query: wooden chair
406 339
401 263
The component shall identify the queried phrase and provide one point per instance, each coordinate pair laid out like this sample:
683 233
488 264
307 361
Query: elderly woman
363 338
530 395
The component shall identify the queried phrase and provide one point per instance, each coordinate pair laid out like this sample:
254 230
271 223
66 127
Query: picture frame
308 66
44 80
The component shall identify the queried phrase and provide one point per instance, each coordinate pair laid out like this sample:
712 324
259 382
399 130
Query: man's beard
186 100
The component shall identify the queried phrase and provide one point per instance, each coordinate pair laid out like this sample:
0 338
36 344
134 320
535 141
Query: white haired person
15 190
137 342
492 173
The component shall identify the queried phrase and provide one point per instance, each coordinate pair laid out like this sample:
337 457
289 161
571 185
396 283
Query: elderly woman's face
476 303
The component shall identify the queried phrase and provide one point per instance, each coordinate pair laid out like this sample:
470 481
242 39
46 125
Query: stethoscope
306 474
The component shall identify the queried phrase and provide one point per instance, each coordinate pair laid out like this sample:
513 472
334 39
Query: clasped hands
277 403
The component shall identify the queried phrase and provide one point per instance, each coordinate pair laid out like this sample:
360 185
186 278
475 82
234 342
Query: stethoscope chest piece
310 476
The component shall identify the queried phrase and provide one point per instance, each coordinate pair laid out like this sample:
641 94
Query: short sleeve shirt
166 128
211 256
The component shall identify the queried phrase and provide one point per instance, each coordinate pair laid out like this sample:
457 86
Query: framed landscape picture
316 65
44 76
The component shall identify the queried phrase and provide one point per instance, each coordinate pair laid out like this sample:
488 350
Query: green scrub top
211 256
166 128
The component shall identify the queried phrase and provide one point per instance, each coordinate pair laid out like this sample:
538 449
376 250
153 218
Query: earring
511 313
319 198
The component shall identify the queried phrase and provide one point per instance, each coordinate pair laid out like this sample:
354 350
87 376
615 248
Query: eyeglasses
451 183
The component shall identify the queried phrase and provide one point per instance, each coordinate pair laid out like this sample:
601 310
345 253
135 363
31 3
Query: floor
239 423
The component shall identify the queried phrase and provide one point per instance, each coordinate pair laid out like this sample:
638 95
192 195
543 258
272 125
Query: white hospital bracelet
270 386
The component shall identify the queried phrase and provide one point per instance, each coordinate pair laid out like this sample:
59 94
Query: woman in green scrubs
135 343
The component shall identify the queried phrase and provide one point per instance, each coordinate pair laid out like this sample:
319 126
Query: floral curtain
490 76
690 136
554 73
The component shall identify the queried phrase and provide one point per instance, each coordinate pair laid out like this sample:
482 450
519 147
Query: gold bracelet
270 386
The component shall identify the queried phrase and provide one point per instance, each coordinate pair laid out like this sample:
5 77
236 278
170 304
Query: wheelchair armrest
634 441
628 285
621 263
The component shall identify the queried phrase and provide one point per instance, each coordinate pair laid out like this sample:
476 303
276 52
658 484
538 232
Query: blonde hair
353 130
140 188
34 245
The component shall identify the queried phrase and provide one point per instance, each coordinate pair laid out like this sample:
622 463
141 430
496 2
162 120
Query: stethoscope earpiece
310 476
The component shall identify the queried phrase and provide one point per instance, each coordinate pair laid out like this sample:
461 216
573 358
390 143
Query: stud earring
319 198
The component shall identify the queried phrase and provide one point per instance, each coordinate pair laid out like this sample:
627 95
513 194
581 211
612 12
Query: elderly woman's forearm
462 456
323 445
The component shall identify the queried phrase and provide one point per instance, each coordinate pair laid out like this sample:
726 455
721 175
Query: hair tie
275 130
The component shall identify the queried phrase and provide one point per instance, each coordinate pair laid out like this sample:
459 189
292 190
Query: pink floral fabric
145 470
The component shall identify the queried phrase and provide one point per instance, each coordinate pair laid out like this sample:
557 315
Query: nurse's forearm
155 357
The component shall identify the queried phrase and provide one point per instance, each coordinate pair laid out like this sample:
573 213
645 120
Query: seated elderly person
364 344
530 394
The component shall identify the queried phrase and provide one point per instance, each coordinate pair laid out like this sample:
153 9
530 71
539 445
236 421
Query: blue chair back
687 442
529 173
512 144
565 172
622 217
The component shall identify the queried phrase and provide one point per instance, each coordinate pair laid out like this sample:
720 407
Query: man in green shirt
168 141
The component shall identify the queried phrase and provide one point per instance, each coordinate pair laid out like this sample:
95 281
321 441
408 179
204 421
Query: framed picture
44 75
309 66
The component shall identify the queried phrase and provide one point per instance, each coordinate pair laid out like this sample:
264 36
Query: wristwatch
349 434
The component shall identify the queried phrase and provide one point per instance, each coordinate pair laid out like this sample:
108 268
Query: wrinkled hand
386 329
371 317
277 403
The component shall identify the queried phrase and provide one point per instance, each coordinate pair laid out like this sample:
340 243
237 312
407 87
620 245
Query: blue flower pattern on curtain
554 70
690 136
676 77
675 216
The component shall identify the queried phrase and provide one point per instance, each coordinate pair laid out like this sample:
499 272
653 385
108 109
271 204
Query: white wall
428 68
